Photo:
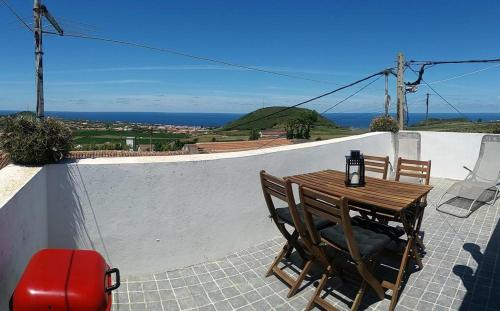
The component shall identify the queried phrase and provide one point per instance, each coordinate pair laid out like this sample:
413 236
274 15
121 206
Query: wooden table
384 196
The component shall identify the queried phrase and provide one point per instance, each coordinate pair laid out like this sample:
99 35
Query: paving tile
152 296
138 307
154 306
223 306
170 305
163 284
237 301
167 294
151 285
136 297
216 295
186 303
201 300
230 292
182 292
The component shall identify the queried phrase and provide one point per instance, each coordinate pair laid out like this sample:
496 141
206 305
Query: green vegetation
277 120
32 141
300 126
384 124
254 135
457 125
92 139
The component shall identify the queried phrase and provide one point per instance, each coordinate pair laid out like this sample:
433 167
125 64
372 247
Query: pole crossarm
51 20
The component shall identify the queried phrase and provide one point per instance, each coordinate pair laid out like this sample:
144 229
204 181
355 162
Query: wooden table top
389 195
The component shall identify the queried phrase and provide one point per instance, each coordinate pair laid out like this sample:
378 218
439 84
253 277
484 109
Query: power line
183 54
353 94
471 61
309 100
11 9
465 74
338 103
435 92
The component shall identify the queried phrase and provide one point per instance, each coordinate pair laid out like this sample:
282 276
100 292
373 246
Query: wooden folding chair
375 164
361 245
379 166
417 172
275 187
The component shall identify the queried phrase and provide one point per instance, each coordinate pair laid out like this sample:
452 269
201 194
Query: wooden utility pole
37 14
427 107
39 10
400 89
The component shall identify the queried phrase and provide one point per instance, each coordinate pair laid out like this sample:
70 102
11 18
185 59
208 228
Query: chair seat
393 232
285 215
369 242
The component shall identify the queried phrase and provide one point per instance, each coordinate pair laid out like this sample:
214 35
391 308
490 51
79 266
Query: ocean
355 120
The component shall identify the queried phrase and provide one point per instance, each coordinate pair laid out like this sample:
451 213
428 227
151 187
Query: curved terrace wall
159 213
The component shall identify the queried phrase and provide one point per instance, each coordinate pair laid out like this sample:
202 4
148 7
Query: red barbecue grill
65 279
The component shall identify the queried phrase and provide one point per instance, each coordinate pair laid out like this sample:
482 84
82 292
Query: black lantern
354 169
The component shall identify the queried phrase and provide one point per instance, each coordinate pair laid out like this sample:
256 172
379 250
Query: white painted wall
23 223
159 213
449 152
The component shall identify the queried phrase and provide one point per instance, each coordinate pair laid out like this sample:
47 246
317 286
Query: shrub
384 124
31 141
496 128
254 134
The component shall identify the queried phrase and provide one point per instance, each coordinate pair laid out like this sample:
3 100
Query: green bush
31 141
254 134
384 124
496 128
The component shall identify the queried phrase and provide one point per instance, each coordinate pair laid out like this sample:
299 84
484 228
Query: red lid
60 279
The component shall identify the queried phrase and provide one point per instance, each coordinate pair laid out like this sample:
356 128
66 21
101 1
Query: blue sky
333 41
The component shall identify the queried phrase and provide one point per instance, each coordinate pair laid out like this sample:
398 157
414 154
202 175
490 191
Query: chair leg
371 280
416 256
402 268
301 278
359 296
278 258
317 292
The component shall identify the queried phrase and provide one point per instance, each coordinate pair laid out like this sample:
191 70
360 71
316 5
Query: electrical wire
465 74
471 61
308 101
353 94
183 54
11 9
440 96
338 103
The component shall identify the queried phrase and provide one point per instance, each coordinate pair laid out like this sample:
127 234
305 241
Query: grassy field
457 125
95 137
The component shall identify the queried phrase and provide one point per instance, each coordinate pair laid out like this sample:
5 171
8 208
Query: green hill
258 119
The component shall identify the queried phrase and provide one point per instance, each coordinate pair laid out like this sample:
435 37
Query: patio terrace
202 218
461 272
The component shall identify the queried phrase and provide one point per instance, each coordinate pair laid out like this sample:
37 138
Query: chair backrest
332 208
488 162
413 170
408 145
378 165
272 187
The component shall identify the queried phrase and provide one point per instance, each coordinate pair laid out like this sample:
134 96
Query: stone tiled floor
461 272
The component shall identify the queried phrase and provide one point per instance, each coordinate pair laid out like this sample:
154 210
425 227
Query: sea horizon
217 119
